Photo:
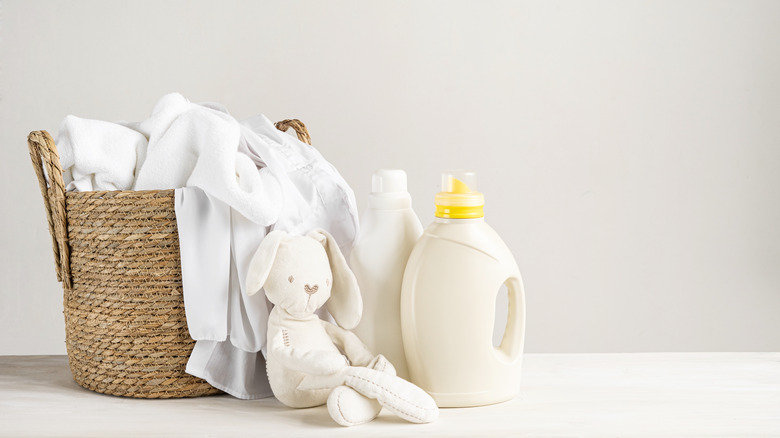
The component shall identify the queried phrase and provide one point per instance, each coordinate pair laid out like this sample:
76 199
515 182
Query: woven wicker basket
117 256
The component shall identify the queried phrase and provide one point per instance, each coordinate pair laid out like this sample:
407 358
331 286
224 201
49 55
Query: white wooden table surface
649 394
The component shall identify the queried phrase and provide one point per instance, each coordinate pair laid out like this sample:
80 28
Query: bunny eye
291 279
327 282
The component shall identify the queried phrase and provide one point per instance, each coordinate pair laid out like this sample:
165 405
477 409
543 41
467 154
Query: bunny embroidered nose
310 289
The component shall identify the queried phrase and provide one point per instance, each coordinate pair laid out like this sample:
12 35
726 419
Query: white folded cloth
234 183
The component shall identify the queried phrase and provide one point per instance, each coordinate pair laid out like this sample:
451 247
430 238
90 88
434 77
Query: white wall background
629 151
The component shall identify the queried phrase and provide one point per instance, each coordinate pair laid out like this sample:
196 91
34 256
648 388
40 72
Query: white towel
97 155
192 145
181 144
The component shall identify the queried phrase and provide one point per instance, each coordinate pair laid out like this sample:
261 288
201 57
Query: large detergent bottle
388 231
450 286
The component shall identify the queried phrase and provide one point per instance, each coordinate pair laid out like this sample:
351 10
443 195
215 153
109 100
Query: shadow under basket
117 256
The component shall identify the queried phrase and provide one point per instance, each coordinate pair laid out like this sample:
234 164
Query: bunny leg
396 394
348 407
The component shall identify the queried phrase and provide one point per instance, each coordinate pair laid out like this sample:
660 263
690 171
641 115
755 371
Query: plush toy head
301 273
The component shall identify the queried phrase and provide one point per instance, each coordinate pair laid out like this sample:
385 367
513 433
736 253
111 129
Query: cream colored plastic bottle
448 302
388 231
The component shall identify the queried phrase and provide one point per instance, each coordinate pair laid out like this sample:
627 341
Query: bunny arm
356 351
317 362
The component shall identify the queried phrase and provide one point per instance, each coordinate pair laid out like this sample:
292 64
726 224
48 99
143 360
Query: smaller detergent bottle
450 285
388 231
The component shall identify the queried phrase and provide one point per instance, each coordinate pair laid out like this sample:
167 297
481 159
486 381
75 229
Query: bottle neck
443 220
390 201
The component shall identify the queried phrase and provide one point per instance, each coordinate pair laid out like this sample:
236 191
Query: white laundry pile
235 182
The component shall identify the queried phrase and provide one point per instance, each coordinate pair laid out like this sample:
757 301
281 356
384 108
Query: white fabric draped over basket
236 181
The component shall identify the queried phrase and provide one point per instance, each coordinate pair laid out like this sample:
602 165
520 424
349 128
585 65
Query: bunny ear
263 261
345 303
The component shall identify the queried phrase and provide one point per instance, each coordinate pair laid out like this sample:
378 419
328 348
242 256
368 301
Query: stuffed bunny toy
304 358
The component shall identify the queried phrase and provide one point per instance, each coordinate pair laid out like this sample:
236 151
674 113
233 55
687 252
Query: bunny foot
348 407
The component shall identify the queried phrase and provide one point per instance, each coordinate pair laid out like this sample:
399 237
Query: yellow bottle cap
459 198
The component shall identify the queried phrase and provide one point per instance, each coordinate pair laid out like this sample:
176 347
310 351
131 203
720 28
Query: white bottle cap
388 181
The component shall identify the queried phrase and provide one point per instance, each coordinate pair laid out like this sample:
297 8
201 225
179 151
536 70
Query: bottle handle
511 346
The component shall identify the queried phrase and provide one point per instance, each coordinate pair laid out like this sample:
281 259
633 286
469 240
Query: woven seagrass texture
126 330
117 255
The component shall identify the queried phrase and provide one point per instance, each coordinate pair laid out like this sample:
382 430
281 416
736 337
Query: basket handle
44 153
297 126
